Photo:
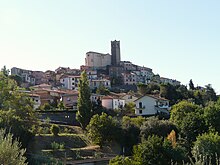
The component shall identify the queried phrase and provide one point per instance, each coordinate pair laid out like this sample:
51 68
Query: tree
212 116
207 148
199 97
142 88
55 129
169 92
102 90
130 134
182 92
154 126
84 106
102 129
129 108
97 107
189 120
16 78
148 89
180 110
191 85
155 150
210 94
16 110
10 150
5 71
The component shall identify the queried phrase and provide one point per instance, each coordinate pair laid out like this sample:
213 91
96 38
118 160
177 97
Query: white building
110 102
149 105
26 75
97 60
169 81
129 78
70 82
128 98
35 98
92 74
127 65
97 83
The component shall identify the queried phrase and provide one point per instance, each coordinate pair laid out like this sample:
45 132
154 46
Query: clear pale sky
178 39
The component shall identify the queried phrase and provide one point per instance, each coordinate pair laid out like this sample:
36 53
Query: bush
120 160
56 146
55 129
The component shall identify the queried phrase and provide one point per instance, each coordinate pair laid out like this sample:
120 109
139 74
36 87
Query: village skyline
177 40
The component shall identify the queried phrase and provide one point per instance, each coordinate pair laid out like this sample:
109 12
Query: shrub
56 146
55 129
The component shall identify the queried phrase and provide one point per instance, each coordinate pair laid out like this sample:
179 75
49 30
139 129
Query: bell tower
115 50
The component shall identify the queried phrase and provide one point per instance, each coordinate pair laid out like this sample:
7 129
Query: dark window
140 104
140 111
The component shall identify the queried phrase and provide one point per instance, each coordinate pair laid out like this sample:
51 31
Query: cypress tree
84 106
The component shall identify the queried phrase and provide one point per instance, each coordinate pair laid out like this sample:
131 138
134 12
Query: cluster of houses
146 105
102 69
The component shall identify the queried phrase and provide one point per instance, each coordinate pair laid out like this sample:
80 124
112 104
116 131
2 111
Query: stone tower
115 50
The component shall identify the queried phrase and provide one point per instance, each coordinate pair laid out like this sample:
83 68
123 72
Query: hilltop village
103 70
107 112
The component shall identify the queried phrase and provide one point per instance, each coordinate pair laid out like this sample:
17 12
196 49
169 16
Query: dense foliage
10 150
16 110
187 137
207 148
102 129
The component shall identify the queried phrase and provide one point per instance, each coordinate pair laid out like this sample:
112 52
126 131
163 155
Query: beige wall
94 59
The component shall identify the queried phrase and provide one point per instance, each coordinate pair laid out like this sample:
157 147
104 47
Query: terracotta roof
111 97
33 95
56 91
71 94
107 97
41 85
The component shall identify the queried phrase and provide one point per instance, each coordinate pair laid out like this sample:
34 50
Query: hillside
71 144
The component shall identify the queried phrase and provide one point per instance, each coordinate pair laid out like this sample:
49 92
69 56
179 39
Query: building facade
97 60
70 82
149 105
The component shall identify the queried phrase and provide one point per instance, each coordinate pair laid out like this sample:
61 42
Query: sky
178 39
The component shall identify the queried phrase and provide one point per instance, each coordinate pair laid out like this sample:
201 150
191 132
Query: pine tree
84 106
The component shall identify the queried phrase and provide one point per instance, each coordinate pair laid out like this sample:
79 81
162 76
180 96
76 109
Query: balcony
162 110
163 106
139 108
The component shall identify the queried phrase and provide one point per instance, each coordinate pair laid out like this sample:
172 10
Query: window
140 104
140 111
